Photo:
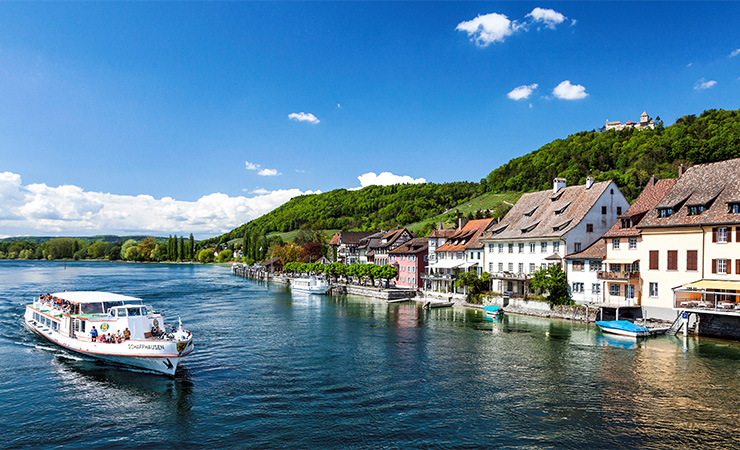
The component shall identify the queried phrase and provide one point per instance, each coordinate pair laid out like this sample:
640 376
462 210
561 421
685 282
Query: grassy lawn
488 201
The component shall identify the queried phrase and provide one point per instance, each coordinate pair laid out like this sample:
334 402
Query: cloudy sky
174 117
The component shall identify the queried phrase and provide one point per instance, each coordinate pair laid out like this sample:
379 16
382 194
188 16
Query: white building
544 226
644 123
582 270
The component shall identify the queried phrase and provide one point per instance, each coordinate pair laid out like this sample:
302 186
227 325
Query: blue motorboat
623 328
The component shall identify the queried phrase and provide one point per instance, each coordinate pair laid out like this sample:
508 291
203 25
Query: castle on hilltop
644 123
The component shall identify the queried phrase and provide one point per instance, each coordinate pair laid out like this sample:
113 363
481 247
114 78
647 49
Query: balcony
439 277
618 276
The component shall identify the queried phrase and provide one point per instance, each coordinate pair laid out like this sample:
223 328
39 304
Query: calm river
275 370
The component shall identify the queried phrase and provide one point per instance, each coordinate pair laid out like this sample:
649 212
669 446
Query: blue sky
179 117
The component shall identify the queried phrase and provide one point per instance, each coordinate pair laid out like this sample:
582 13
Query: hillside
370 208
630 157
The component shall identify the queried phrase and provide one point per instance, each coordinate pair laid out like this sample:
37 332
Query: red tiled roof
597 250
416 245
467 237
334 240
650 196
713 186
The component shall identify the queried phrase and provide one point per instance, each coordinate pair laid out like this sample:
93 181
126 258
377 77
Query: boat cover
621 325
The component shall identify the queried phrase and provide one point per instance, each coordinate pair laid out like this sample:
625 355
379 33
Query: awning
712 284
468 265
620 261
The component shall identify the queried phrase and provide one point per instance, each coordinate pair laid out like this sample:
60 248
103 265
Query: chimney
681 170
461 222
557 184
589 182
652 181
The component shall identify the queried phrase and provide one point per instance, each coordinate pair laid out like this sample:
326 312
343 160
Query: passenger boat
312 285
623 328
110 327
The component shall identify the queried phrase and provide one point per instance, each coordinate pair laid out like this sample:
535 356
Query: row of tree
363 272
146 249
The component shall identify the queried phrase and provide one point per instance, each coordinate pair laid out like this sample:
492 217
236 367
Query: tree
191 253
145 248
287 252
224 255
96 250
126 246
474 284
60 248
206 255
312 251
552 283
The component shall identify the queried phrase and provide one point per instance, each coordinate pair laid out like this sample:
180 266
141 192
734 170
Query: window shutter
737 234
691 258
737 266
714 235
653 259
729 234
714 266
729 267
672 259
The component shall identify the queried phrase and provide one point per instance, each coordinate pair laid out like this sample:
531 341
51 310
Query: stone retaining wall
542 309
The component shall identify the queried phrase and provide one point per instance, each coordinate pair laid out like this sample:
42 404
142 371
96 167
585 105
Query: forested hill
370 208
629 157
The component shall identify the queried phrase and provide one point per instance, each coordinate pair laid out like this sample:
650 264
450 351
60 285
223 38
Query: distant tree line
145 249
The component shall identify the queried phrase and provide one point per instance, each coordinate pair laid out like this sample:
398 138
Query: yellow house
690 254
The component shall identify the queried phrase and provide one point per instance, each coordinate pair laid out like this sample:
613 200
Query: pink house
411 260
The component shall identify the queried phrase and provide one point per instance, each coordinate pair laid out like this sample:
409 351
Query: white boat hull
156 355
625 332
311 285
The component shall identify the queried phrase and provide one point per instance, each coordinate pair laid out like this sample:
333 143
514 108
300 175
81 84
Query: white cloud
42 210
703 84
567 91
386 179
487 29
490 28
261 171
735 52
549 17
522 92
268 172
303 117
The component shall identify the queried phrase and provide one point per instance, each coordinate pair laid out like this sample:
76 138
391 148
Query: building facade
411 259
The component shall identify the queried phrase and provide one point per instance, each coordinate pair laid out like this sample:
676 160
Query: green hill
630 157
370 208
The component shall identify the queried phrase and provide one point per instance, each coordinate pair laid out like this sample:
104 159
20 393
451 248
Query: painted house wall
662 240
410 269
615 204
588 276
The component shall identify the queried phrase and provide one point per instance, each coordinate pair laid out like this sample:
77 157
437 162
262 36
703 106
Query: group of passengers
58 303
110 338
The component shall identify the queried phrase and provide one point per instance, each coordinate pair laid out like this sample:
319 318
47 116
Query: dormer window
665 212
626 223
529 213
557 196
562 226
562 209
695 210
530 228
734 208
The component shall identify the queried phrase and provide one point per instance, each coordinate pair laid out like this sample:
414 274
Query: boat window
134 311
91 308
121 312
108 305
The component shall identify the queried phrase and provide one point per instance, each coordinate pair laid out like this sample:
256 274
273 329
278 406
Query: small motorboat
623 328
312 285
493 312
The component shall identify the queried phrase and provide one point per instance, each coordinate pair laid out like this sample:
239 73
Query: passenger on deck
94 334
156 332
126 334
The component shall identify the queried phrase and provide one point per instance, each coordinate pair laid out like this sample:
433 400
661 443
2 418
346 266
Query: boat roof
92 297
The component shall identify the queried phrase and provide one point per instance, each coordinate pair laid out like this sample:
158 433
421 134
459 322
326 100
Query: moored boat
110 327
623 328
493 312
312 285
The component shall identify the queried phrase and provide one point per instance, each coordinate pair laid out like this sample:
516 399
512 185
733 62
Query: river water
275 370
